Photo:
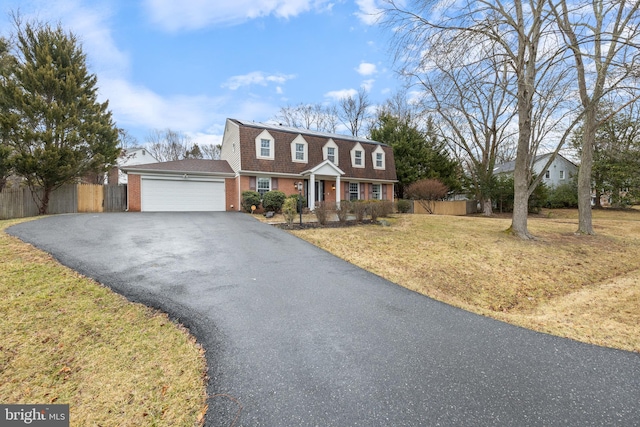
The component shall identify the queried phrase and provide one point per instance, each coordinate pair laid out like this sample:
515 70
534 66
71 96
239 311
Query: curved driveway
298 337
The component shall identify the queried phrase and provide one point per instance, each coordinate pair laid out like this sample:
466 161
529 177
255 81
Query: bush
343 211
375 209
296 197
359 209
322 211
386 208
563 196
250 198
403 206
289 210
272 201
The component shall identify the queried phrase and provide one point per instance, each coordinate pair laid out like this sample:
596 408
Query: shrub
343 211
289 210
322 211
403 206
250 198
374 208
563 196
296 197
386 208
272 201
359 209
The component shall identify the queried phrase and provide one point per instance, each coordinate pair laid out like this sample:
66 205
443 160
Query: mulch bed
329 224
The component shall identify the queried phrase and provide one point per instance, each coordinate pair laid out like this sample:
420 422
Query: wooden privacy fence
456 207
72 198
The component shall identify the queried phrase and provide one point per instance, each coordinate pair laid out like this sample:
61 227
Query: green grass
67 339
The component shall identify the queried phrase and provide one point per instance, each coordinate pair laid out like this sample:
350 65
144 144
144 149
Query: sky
189 65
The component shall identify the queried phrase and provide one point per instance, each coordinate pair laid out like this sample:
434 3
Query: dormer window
378 158
357 156
265 146
330 152
299 149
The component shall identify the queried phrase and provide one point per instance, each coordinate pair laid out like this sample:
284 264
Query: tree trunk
585 225
44 203
487 208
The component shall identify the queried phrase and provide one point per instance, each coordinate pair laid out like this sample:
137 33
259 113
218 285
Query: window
299 149
377 158
265 148
354 191
561 174
547 174
264 185
375 192
331 154
358 158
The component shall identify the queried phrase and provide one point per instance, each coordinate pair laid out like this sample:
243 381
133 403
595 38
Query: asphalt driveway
298 337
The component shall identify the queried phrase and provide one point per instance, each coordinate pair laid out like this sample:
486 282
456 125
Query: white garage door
183 195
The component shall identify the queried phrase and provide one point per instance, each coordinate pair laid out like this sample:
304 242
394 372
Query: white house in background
129 157
560 171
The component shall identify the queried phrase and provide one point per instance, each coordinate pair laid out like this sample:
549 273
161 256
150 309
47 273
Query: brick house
264 157
332 167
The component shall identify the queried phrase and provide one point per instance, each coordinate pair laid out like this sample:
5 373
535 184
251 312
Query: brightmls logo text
34 415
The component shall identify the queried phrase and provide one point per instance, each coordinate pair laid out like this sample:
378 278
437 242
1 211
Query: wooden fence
72 198
456 207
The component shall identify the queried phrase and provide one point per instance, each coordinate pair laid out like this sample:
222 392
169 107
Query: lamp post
300 186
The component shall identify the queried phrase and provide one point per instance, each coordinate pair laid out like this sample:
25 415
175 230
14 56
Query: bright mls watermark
34 415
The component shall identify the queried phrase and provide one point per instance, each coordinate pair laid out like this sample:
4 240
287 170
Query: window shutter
362 191
384 191
274 183
346 191
252 183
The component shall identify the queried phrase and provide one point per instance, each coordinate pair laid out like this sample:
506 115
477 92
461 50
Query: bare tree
521 37
211 151
167 145
353 112
476 115
427 192
309 116
603 38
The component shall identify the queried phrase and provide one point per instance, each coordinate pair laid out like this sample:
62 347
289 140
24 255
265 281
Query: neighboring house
181 185
332 167
129 157
559 172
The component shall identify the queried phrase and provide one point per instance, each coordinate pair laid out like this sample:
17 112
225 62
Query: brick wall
133 196
231 194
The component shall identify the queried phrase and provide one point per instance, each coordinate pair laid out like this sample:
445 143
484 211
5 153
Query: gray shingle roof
306 132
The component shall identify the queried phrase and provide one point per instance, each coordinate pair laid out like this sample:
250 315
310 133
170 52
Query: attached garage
159 194
179 186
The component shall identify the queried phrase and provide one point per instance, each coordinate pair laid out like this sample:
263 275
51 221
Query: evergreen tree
54 123
418 155
6 161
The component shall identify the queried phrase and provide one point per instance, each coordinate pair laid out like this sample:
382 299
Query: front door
319 191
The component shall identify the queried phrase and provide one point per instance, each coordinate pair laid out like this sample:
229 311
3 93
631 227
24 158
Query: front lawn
68 340
581 287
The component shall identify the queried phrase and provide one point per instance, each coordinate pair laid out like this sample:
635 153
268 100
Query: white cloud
368 84
256 78
369 11
366 69
337 95
194 14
